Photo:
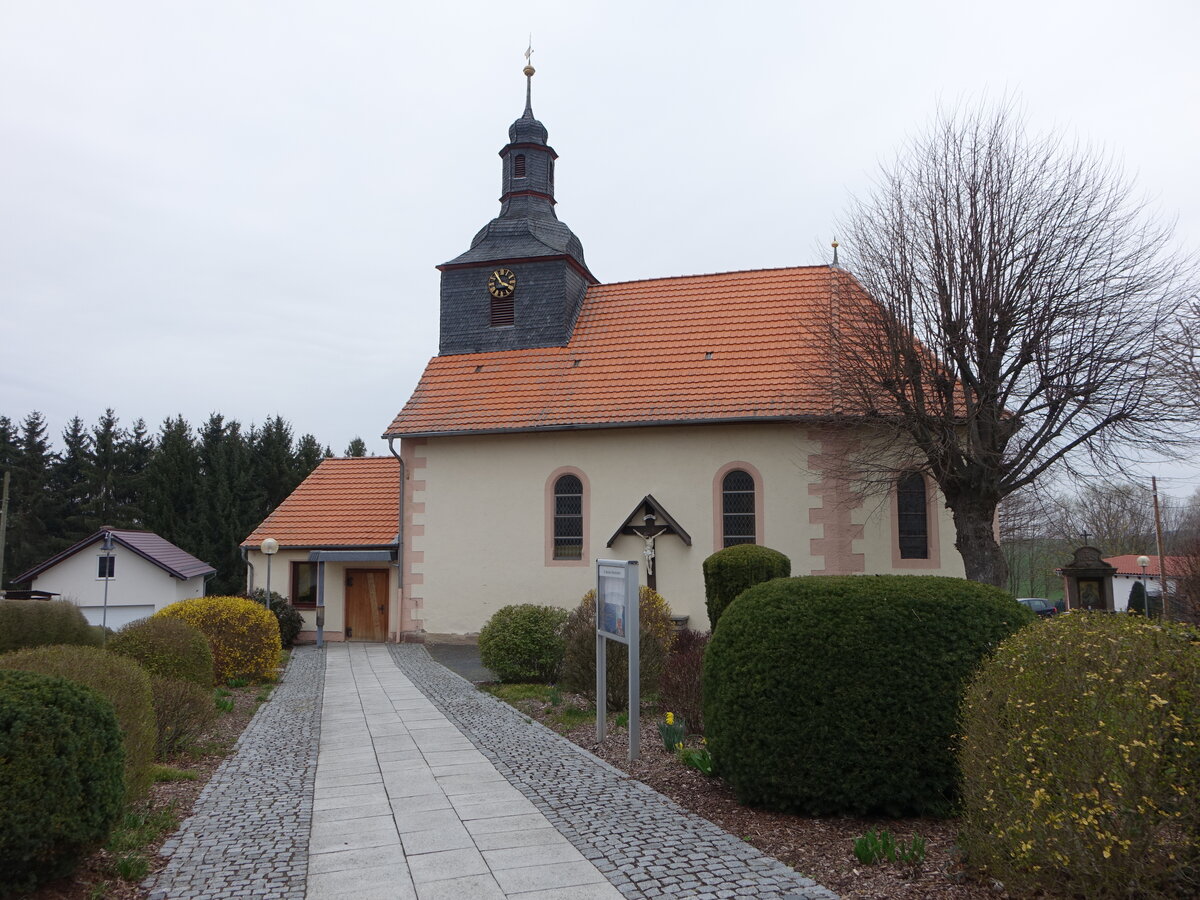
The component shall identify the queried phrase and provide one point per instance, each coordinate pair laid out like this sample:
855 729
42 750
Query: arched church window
737 508
519 166
912 516
568 517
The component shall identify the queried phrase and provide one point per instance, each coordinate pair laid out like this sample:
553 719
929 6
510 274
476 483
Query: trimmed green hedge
168 648
60 777
839 695
730 571
122 682
524 642
38 623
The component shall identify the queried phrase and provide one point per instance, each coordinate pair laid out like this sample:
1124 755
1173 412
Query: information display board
617 620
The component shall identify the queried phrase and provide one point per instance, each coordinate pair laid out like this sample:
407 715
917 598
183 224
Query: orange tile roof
1127 565
342 503
700 348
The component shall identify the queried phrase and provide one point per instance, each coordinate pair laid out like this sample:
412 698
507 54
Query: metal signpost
617 620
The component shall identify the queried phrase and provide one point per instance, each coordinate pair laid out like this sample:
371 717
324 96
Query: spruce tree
70 480
30 508
133 456
357 448
170 499
308 456
274 464
103 506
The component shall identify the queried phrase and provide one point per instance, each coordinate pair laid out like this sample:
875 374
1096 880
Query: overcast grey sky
237 206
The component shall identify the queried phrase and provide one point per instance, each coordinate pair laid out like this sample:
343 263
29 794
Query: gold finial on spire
529 70
834 245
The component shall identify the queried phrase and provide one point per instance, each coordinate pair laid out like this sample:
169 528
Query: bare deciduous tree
1020 296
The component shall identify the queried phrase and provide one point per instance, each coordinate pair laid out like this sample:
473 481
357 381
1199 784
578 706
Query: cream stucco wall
137 589
477 514
334 584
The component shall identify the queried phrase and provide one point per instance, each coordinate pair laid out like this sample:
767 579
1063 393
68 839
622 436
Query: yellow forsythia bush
1081 760
244 635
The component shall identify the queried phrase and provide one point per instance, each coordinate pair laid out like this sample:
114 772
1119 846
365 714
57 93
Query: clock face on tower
502 283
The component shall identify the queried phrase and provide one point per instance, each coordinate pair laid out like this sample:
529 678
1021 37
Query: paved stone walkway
248 834
427 788
645 844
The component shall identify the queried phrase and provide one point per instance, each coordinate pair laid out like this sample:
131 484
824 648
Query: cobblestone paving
248 834
644 843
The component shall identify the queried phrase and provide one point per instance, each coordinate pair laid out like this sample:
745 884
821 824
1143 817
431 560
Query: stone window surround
719 503
585 508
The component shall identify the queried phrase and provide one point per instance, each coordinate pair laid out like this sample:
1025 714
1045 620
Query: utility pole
1162 569
3 531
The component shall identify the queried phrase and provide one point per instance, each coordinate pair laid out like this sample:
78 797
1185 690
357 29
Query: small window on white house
107 567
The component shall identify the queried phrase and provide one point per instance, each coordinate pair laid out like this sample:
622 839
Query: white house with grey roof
117 575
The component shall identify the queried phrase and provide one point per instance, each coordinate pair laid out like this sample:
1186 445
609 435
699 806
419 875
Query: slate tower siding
547 302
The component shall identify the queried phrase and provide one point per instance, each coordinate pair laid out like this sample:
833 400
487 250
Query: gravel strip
644 843
248 834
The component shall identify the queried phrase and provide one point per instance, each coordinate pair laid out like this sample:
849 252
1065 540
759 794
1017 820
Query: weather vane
529 50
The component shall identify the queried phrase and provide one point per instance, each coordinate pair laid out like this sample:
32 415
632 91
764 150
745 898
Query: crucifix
648 535
1086 535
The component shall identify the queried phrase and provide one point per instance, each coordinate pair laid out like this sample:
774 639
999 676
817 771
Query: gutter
399 533
249 572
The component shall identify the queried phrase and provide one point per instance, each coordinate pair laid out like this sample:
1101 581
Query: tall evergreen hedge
839 695
730 571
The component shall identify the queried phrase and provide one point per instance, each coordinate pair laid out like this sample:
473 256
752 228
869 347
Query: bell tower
522 282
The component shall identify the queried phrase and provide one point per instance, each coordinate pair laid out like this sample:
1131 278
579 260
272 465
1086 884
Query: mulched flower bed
822 849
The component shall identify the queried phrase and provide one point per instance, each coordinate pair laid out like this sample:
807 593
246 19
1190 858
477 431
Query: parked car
1040 606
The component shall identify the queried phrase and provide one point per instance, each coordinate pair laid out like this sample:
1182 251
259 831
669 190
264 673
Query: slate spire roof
527 227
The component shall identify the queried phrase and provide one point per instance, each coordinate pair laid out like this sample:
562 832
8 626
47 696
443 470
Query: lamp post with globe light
269 547
1144 561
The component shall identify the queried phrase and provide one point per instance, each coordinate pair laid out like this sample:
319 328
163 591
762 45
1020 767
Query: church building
565 420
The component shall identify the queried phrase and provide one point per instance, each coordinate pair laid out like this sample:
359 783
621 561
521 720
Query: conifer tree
274 464
70 482
308 456
30 509
107 437
172 486
357 448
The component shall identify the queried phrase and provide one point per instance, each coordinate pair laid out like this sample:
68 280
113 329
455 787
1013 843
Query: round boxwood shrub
39 623
168 648
243 635
61 776
730 571
122 682
656 636
839 695
183 710
1081 760
524 642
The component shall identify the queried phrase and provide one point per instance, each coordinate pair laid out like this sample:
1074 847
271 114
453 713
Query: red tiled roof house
337 535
